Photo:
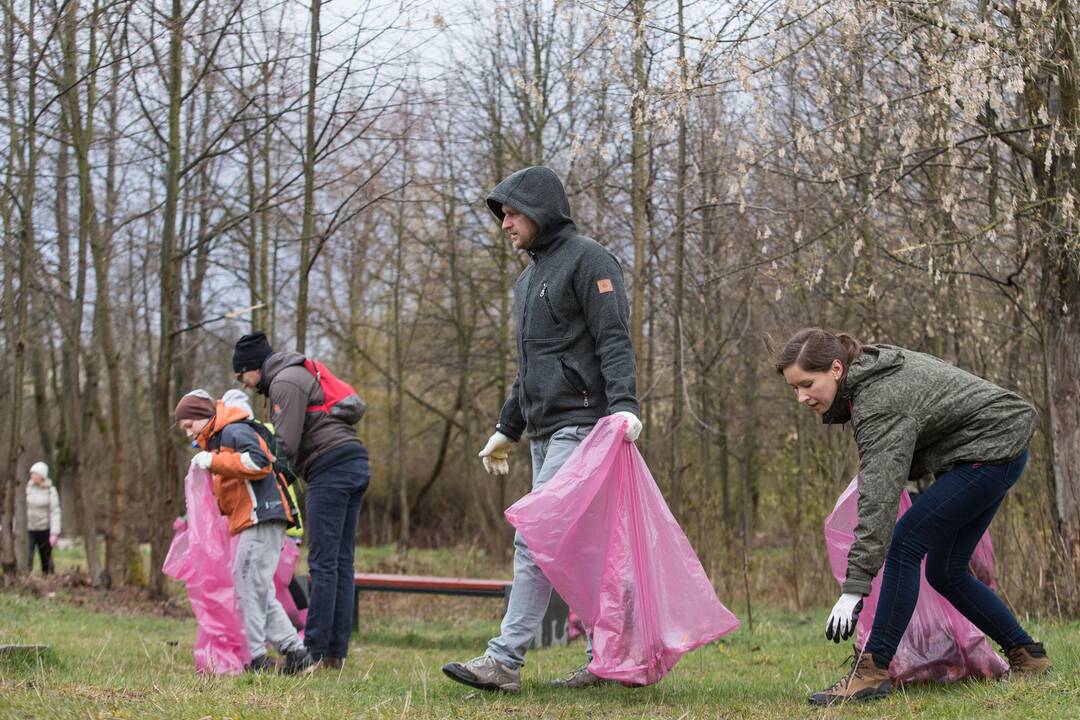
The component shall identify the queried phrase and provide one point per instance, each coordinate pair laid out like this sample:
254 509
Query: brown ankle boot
866 680
1030 660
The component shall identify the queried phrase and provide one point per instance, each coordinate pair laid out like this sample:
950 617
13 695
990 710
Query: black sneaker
299 662
260 664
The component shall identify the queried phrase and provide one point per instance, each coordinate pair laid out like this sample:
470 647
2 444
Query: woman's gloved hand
495 454
845 614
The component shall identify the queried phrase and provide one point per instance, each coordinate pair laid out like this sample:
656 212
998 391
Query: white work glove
202 460
844 615
633 425
495 454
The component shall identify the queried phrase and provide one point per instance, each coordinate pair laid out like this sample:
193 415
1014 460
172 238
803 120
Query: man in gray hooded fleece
575 366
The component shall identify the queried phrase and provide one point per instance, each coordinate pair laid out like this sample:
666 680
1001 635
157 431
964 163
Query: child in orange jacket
257 509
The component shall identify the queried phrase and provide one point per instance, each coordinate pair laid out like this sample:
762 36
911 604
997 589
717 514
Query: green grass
123 664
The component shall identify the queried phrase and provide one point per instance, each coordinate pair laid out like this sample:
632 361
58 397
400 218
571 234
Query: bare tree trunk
26 155
678 368
1061 338
122 560
639 180
81 403
308 228
399 366
169 320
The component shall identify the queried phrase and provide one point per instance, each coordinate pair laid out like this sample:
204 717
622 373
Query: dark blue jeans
944 525
332 508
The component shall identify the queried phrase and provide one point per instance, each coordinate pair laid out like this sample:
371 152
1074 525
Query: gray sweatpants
265 620
531 591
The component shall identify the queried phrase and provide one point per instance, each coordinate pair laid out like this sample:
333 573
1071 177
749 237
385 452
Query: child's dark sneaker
260 664
299 662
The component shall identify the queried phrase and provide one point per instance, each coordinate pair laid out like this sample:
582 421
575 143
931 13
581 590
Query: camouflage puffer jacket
915 414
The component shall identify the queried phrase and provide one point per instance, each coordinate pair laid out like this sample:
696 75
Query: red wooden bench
376 582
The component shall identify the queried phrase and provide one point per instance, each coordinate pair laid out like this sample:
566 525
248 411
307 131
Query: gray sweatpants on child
257 556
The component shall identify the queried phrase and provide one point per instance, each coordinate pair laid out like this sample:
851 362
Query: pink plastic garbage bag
282 577
940 644
982 562
202 556
603 535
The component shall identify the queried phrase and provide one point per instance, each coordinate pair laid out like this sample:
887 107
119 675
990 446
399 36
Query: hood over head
538 193
225 414
274 364
238 399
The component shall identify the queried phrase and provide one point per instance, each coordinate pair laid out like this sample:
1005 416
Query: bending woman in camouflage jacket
914 414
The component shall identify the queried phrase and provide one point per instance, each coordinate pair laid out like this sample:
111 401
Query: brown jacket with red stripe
244 484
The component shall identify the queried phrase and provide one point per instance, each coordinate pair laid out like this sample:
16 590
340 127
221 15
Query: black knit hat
250 352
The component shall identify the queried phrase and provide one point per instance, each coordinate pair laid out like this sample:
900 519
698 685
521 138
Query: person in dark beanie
327 453
250 353
250 496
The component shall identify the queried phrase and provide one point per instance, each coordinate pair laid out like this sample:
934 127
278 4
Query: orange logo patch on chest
604 286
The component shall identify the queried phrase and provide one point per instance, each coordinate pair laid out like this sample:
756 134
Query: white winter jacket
42 507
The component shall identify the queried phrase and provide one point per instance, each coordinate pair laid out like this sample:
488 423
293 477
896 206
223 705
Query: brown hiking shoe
1029 660
867 680
580 678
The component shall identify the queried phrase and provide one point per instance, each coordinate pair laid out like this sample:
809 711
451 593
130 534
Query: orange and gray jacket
914 414
302 437
242 467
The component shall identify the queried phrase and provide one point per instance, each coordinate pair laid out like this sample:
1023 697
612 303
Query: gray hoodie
42 507
914 414
575 358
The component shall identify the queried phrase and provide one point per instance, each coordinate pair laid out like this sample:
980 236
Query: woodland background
176 173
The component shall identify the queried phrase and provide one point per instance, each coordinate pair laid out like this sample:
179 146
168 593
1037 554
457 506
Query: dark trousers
39 539
332 508
944 525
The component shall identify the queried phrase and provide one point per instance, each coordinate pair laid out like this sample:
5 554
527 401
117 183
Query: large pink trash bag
603 535
202 557
940 644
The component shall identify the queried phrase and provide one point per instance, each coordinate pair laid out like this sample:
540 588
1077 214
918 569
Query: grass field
111 659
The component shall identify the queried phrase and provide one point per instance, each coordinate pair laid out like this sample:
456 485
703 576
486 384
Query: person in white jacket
42 515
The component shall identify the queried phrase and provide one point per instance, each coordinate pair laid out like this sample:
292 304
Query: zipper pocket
576 381
547 301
